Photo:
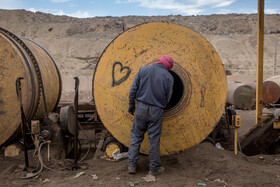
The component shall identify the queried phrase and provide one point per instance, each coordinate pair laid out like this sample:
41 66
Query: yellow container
199 93
21 57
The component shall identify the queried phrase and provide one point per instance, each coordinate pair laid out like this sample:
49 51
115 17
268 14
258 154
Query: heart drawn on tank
119 73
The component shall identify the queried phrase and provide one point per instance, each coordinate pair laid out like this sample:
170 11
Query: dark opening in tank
178 89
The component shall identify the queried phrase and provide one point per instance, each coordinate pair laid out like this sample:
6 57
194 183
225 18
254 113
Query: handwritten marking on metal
123 78
203 90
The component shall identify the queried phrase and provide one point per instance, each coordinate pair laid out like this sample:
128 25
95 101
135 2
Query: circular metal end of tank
200 84
21 57
241 95
67 120
14 63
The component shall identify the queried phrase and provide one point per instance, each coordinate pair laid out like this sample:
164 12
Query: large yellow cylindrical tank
199 92
21 57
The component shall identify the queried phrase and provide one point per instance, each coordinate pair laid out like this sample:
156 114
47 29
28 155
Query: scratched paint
17 62
197 64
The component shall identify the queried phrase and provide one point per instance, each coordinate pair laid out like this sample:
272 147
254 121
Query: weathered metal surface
67 119
50 76
241 95
271 91
17 59
259 89
200 84
275 79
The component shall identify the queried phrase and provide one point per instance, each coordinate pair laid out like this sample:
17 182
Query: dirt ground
203 163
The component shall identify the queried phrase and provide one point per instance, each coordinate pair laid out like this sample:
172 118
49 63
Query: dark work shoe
131 169
160 171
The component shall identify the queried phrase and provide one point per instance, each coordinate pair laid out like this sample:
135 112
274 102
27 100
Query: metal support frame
275 57
23 122
259 88
76 99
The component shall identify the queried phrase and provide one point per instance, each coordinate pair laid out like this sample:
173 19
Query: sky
93 8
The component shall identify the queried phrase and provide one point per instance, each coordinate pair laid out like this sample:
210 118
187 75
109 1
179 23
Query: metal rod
275 56
76 122
23 122
48 151
259 90
235 140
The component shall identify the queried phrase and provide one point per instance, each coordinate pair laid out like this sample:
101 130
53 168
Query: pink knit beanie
166 60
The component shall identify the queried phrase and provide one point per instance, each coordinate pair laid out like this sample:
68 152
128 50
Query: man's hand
131 109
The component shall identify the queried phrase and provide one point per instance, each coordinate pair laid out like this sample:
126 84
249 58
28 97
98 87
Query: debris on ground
149 178
30 175
133 183
94 176
46 180
79 174
201 184
219 146
105 157
119 156
221 181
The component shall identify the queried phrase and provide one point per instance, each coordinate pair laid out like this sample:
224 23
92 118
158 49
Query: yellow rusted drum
199 93
111 148
21 57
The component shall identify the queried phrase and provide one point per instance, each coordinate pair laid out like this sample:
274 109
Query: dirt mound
234 36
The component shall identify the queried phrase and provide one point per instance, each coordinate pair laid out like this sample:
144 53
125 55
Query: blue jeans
149 118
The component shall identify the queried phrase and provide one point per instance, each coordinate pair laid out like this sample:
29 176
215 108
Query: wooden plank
98 151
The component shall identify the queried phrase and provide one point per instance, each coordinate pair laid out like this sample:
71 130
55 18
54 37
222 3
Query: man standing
152 89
